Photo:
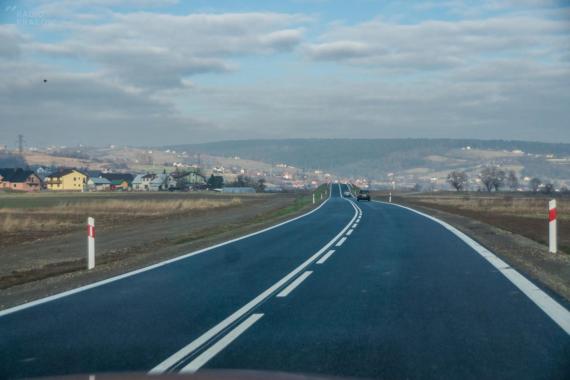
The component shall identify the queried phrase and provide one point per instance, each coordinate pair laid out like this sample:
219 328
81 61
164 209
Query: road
363 289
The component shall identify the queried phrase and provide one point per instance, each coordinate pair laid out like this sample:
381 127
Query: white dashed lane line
325 257
205 357
285 292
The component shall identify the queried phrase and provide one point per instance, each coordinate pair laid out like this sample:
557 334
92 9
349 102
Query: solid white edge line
216 348
198 342
151 267
292 286
341 242
326 257
547 304
349 232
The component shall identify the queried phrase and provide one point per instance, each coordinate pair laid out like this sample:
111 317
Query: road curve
352 289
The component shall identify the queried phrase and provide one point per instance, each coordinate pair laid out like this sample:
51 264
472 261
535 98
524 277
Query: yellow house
66 180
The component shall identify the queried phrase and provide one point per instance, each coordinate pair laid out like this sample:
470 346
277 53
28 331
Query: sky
146 72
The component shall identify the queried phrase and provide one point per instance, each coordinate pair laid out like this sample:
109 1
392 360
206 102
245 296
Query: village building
66 180
119 181
161 182
142 182
154 182
99 184
19 180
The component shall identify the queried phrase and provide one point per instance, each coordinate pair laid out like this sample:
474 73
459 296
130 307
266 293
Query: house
19 180
66 180
185 179
154 182
160 182
120 185
99 184
142 182
119 181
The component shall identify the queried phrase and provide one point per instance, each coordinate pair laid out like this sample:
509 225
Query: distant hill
377 157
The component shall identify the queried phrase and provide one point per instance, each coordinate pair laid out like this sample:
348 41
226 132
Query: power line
21 144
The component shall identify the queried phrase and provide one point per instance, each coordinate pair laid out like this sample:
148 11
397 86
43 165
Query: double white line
177 361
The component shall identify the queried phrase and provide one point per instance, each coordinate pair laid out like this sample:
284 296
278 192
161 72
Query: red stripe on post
91 231
551 214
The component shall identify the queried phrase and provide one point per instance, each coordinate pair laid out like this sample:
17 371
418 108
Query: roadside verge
148 257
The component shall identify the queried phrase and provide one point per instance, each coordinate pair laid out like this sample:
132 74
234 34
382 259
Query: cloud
441 44
507 100
338 50
11 40
80 108
282 40
133 63
136 77
156 51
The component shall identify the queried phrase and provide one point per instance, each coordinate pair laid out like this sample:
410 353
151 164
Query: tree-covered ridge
376 157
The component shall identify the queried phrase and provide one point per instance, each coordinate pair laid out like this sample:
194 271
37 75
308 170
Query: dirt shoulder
551 271
48 266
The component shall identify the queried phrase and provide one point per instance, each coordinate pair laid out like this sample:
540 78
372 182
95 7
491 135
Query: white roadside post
90 243
552 233
313 198
390 198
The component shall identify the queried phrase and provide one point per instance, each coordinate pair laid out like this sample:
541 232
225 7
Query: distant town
135 169
122 168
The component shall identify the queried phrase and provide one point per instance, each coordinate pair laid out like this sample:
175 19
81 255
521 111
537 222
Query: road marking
349 232
326 257
285 292
151 267
547 304
341 242
354 225
216 348
208 335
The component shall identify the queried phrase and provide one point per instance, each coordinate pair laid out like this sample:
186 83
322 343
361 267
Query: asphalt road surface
352 289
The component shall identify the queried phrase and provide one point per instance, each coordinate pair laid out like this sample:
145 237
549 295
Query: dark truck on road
363 195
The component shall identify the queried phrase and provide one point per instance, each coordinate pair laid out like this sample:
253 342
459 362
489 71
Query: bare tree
260 185
512 180
486 178
457 179
492 177
535 184
499 181
548 188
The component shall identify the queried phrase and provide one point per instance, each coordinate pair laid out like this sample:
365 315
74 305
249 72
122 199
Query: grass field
25 217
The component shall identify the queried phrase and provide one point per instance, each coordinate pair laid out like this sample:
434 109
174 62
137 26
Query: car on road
363 195
347 194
